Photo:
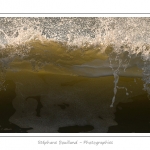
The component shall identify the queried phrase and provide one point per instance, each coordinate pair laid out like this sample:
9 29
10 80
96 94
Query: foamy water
89 47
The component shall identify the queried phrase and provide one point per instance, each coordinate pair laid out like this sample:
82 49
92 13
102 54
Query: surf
86 47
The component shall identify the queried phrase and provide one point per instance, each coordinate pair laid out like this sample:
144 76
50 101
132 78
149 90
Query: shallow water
74 74
48 103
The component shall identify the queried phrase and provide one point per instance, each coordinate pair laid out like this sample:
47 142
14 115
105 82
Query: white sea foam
126 41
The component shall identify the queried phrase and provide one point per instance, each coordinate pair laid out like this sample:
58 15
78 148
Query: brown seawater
72 75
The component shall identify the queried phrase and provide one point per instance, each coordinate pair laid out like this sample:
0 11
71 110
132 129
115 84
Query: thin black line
77 13
74 136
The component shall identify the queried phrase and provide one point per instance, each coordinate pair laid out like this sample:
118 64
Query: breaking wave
90 47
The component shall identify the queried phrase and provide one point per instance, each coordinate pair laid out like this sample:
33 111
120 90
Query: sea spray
117 60
62 43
